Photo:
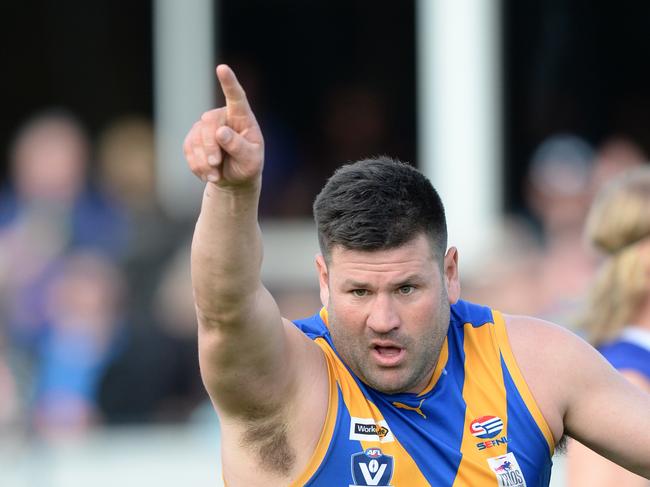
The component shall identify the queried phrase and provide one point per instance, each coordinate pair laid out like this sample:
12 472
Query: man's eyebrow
409 279
355 284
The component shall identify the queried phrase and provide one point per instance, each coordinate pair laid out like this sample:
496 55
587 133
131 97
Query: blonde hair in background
618 225
127 159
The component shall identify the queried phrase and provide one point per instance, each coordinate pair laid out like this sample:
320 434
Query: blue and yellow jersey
476 424
630 352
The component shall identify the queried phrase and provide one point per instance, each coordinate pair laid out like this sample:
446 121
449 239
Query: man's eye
406 290
359 293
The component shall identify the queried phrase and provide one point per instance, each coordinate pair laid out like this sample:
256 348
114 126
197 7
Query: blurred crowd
96 313
97 323
542 264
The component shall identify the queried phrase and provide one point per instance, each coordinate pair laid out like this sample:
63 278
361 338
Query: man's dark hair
378 204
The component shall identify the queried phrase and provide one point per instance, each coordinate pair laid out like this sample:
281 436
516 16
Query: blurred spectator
49 198
617 316
82 323
9 414
353 123
619 227
126 172
48 209
558 191
513 262
126 158
616 155
559 194
48 213
156 376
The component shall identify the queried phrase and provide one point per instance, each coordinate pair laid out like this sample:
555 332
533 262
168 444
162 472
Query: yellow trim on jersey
520 382
323 315
440 366
328 428
485 395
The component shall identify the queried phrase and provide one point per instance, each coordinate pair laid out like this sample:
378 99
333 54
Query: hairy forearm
226 253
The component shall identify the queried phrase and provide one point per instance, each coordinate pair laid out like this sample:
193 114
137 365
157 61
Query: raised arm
234 311
254 363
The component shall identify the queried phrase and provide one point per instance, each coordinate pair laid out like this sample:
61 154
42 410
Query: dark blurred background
569 66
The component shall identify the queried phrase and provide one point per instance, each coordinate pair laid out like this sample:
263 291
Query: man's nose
383 316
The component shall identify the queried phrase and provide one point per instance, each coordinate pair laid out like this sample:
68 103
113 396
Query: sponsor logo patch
367 429
371 467
483 445
486 426
507 470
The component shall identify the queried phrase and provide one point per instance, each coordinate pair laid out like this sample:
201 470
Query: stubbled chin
389 380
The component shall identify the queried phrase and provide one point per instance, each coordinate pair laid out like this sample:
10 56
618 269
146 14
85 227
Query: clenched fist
226 147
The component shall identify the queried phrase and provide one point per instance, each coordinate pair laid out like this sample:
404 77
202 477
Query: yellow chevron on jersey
475 424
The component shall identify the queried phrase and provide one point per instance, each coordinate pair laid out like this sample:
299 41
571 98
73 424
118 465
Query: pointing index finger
236 101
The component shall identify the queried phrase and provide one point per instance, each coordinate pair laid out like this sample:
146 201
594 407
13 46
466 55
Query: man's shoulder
545 347
539 332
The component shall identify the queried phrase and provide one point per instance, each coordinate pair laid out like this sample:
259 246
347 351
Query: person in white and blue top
617 320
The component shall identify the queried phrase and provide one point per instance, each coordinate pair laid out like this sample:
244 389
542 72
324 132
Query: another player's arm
248 353
575 385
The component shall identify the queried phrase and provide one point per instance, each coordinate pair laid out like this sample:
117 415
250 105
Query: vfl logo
486 426
507 471
371 467
367 429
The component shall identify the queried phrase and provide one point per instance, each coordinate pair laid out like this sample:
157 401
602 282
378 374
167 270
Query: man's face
388 311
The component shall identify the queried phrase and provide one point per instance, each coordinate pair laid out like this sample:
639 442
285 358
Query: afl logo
486 426
371 467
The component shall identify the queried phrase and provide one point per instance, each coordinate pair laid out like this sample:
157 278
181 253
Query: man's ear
452 280
323 279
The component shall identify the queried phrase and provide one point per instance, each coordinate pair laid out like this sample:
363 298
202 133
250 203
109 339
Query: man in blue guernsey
395 381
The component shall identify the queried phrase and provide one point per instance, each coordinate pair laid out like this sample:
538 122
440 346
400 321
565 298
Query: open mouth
387 355
388 351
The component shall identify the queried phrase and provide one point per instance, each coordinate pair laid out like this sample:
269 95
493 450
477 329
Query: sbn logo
486 426
490 443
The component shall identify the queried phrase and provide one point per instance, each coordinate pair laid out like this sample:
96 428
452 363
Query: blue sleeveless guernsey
631 352
476 424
